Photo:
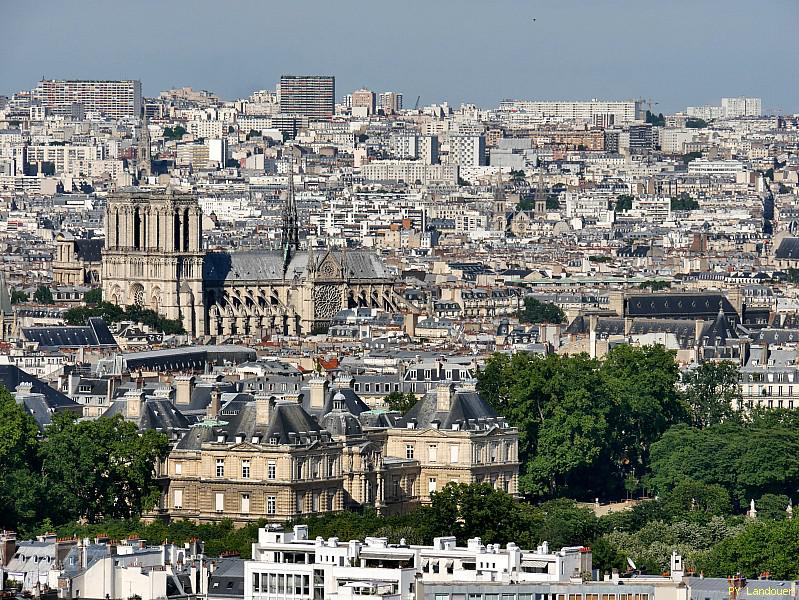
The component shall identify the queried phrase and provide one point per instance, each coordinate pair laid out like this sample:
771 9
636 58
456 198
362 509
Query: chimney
8 546
113 382
134 402
410 322
264 406
628 325
184 387
443 397
318 391
765 354
699 328
213 407
744 351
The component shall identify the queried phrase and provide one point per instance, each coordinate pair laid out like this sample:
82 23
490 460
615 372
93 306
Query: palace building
154 258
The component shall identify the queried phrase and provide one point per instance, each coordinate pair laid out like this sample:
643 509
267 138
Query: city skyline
611 52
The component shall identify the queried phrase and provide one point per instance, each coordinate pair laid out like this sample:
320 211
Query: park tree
99 469
93 296
400 402
18 296
43 295
18 462
624 202
712 393
535 311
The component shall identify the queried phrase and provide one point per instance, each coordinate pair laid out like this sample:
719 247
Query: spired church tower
153 254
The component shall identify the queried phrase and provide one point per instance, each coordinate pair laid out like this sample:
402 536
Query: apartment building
311 96
287 564
520 111
410 172
112 99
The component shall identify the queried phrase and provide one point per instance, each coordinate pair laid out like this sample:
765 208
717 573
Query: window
408 450
315 502
256 582
331 466
245 469
431 485
178 503
220 502
220 467
432 454
178 468
271 505
298 469
299 502
453 454
271 470
245 503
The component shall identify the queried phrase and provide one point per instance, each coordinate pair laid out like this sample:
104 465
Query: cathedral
154 258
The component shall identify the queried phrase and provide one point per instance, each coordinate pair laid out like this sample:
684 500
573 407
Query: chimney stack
213 407
264 406
318 391
184 387
443 397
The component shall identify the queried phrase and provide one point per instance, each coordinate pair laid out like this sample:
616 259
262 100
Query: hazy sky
677 52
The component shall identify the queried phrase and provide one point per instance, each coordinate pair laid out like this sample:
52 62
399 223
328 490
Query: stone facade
154 258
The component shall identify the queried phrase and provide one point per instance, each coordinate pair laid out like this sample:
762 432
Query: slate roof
11 376
778 336
267 265
227 580
678 306
788 249
340 422
94 333
289 424
158 414
188 357
467 409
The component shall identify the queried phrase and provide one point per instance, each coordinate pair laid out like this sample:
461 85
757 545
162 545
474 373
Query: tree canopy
624 202
684 202
401 402
535 311
111 313
585 425
712 393
43 295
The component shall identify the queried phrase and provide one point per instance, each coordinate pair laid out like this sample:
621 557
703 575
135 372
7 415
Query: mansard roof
94 333
467 409
289 423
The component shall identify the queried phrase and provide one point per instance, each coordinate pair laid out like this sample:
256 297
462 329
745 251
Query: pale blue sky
677 52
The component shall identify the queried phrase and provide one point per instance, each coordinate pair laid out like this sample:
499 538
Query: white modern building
289 565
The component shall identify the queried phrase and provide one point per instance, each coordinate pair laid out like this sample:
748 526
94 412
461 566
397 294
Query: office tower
641 138
114 99
311 96
363 98
389 102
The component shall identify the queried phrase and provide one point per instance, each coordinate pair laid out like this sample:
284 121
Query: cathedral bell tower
153 254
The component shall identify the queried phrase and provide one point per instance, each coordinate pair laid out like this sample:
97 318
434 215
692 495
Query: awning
535 564
448 564
425 562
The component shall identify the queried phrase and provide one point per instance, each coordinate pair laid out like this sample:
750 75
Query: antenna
631 563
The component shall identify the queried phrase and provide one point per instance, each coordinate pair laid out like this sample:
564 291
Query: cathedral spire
290 233
143 158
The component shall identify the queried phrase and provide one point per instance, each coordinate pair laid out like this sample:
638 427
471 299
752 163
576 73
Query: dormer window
220 439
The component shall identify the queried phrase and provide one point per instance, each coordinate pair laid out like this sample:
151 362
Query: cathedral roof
267 265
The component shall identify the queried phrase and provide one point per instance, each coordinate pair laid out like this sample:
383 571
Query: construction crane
416 106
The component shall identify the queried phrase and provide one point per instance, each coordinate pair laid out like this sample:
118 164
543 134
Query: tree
18 459
694 496
517 176
553 202
655 285
18 296
111 313
400 402
93 296
43 295
772 506
684 202
175 133
747 459
689 156
471 510
584 425
712 393
695 123
535 311
762 546
99 469
657 120
624 202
